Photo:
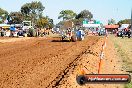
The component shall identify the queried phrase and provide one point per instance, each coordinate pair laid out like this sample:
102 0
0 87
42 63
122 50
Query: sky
102 10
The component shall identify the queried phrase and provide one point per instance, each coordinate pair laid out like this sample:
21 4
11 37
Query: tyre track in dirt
17 51
71 65
57 80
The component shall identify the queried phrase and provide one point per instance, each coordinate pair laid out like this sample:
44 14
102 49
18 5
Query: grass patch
124 52
128 85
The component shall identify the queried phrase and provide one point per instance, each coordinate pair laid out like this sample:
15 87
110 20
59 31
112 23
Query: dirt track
89 61
38 62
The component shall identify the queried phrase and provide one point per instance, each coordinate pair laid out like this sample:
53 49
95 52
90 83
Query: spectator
129 33
2 32
113 31
122 34
12 31
116 33
106 32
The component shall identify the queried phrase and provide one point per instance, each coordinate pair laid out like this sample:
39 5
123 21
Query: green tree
3 15
32 11
60 23
111 21
37 8
125 21
84 14
26 8
17 17
78 21
42 22
67 15
50 22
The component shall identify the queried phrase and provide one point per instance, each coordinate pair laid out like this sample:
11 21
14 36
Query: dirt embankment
89 61
38 62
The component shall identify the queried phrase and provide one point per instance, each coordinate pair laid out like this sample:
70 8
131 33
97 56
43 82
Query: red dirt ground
37 62
47 62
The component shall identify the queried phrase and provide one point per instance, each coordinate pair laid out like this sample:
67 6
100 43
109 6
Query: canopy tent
112 26
4 25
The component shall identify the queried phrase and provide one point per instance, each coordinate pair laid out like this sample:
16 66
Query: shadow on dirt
91 52
56 37
129 71
60 41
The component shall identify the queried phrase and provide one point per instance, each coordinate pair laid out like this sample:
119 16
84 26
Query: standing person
122 34
52 30
113 31
116 33
48 31
37 31
125 31
106 32
12 30
2 32
42 32
129 33
69 31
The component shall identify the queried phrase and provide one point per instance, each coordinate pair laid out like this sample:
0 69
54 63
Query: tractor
73 35
69 35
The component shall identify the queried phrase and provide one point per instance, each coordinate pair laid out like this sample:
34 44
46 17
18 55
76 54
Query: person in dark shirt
122 34
129 33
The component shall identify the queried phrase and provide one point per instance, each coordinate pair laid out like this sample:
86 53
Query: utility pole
131 19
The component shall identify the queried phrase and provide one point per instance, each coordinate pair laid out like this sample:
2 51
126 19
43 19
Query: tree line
30 11
76 18
85 14
125 21
34 12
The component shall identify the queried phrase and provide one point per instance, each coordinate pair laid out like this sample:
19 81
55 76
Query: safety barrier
102 55
98 63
